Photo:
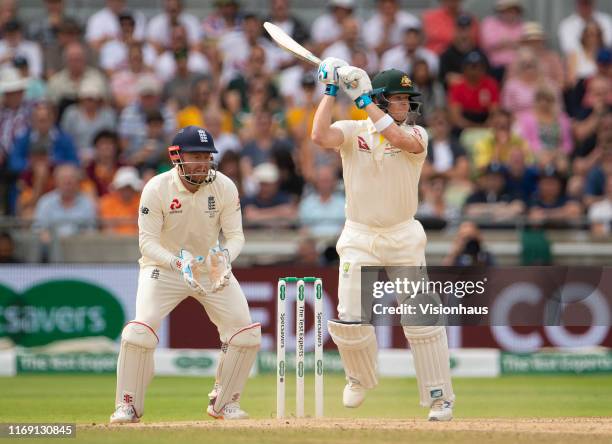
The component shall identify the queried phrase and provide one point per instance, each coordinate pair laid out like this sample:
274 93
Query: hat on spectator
11 80
126 177
148 85
12 26
464 21
501 5
551 172
20 62
532 31
604 56
346 4
473 58
266 173
494 168
91 89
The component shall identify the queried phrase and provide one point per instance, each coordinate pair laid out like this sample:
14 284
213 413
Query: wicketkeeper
182 212
382 159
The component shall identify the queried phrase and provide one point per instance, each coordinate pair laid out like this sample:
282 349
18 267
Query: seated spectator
432 93
124 83
264 139
521 179
445 155
500 35
226 18
83 120
405 55
301 115
600 213
386 26
153 152
64 211
327 28
132 125
595 186
322 212
349 42
114 53
496 148
590 117
14 110
492 201
13 45
104 26
45 29
280 15
64 85
582 61
571 27
119 208
7 249
547 130
230 166
224 140
202 98
35 180
269 207
576 94
468 248
439 25
473 98
551 205
307 254
186 86
434 204
290 82
518 93
36 88
105 162
160 26
453 56
166 63
60 146
69 32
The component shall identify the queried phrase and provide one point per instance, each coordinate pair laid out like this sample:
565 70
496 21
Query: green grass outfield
88 400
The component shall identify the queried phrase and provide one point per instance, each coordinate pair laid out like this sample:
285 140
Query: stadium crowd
518 131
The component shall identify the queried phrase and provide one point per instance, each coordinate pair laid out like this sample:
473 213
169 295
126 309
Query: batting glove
356 83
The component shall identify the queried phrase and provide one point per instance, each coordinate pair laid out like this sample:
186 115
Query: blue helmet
193 139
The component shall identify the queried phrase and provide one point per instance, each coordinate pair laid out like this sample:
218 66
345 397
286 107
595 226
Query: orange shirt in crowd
117 216
439 26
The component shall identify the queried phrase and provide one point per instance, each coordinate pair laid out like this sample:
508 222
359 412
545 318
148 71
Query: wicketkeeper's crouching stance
382 159
182 212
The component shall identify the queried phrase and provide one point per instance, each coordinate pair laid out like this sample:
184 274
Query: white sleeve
231 221
348 128
150 223
421 135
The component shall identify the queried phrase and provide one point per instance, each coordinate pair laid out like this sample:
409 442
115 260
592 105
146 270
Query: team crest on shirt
212 207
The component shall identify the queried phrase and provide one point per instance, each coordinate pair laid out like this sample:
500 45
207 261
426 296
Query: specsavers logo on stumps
59 310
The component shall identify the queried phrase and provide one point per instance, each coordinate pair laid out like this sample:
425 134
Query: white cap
148 84
126 176
11 80
91 88
347 4
266 173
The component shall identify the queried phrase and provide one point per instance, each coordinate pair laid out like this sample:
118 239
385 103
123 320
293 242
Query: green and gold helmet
394 81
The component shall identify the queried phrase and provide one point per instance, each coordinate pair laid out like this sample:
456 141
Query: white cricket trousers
160 290
361 245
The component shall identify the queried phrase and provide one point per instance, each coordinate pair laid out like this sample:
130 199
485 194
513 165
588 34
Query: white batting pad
237 358
135 365
431 362
358 350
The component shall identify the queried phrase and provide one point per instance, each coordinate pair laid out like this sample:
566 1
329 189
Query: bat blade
287 43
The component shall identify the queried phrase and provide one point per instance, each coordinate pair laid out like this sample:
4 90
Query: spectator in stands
83 120
550 63
582 61
124 82
349 42
7 249
496 148
299 117
64 85
596 106
35 180
230 166
153 151
327 28
105 163
468 248
263 140
432 92
386 27
595 187
269 207
451 59
570 29
492 200
8 12
307 254
166 63
547 129
45 30
60 146
445 155
404 56
521 179
434 204
64 211
158 29
119 209
225 19
103 26
69 33
290 82
518 93
13 44
36 88
600 213
501 34
183 87
14 111
114 54
473 98
440 23
322 211
281 16
551 205
201 98
224 139
132 121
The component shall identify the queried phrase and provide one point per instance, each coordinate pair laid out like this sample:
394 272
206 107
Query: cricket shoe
354 394
230 412
124 414
441 410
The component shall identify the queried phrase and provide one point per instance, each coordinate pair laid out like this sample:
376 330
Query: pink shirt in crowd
493 31
527 126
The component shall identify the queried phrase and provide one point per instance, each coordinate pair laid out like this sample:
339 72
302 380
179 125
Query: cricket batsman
182 212
382 159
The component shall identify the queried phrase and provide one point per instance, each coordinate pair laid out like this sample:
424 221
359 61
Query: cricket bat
287 43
